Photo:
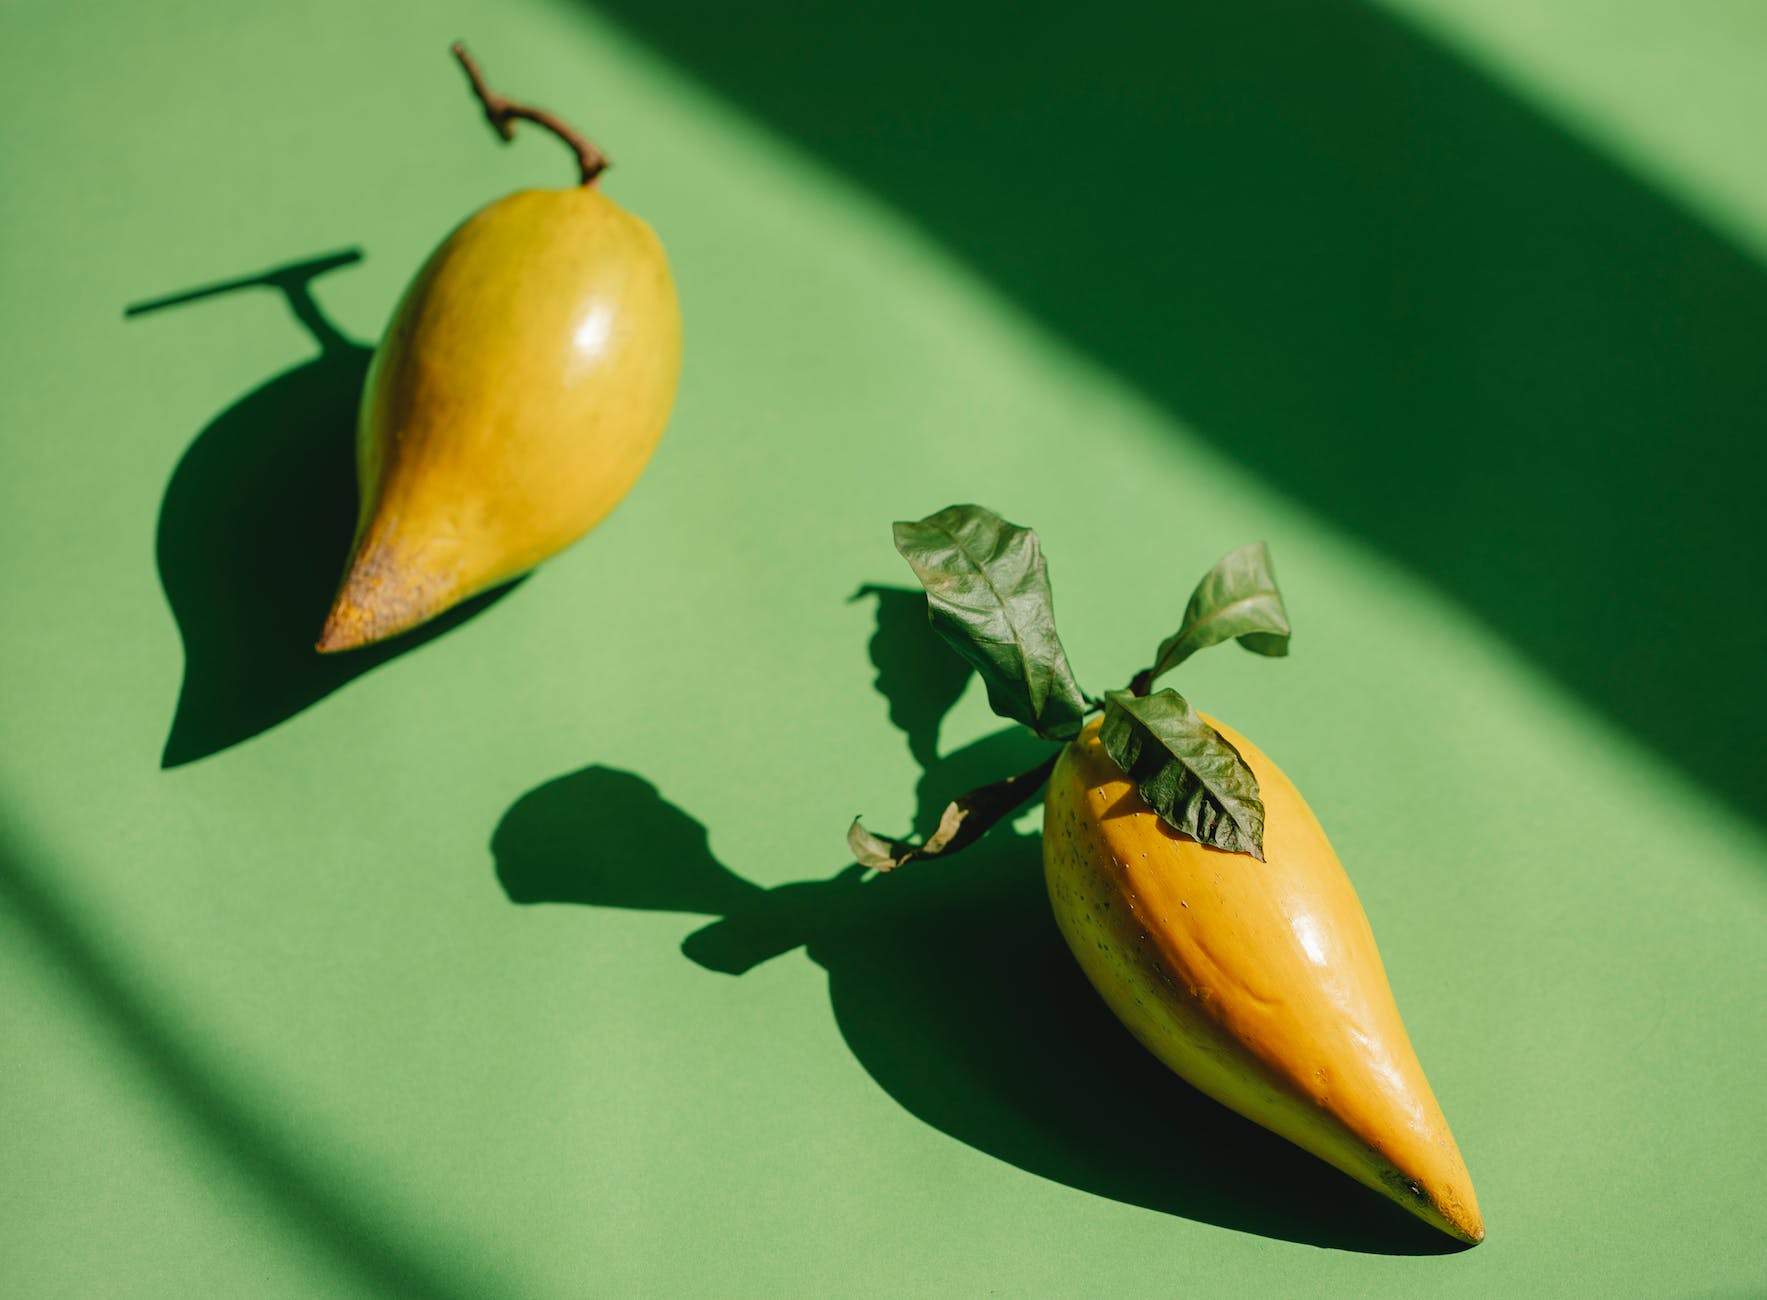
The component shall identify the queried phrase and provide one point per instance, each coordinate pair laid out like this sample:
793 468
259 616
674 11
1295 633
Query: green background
1460 306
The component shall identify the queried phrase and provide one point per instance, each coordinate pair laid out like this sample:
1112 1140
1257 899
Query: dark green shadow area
254 529
1362 269
371 1251
955 992
950 982
916 674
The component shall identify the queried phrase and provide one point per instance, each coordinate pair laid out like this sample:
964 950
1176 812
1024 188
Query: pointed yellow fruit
519 391
1257 982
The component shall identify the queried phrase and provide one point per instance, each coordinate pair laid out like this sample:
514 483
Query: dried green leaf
1236 599
965 820
988 596
1185 769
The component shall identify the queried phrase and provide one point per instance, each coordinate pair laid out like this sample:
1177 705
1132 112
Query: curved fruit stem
502 113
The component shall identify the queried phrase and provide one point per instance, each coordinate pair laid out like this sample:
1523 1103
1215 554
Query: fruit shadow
1373 275
254 528
950 982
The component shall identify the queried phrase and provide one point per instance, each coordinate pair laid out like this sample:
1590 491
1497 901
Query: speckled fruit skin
1257 982
517 396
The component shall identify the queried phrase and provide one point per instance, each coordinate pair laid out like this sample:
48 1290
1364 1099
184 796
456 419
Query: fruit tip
380 597
350 624
339 634
1469 1228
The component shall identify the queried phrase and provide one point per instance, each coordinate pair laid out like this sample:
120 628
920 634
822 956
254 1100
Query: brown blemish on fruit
381 597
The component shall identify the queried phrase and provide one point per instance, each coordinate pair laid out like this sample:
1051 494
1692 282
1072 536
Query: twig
502 112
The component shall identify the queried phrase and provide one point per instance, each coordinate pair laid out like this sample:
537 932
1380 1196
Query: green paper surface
525 959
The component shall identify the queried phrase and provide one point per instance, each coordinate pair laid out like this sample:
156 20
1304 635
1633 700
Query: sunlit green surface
272 1024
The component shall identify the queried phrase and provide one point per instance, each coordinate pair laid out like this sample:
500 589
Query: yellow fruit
517 395
1257 982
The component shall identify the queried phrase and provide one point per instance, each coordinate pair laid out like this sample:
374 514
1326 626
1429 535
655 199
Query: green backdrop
526 960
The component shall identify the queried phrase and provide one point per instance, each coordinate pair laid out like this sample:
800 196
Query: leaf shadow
919 677
255 524
952 986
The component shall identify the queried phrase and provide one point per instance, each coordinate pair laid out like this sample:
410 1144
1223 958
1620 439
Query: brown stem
501 112
965 820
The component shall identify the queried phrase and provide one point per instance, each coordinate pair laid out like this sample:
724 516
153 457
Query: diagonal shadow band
1359 267
254 529
951 985
376 1252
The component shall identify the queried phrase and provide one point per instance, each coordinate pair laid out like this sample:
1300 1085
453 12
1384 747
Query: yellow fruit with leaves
1191 880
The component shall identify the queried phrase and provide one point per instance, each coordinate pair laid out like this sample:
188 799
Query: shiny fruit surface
519 392
1257 982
